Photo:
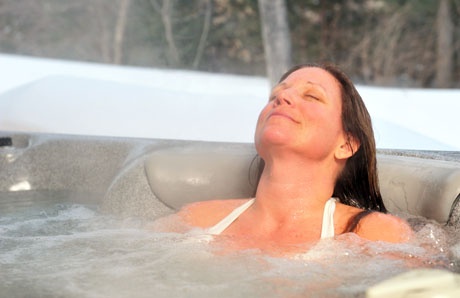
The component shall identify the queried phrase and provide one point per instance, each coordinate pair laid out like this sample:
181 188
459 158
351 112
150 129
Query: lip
281 114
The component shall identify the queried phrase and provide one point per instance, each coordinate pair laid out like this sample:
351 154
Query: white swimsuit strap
327 229
229 219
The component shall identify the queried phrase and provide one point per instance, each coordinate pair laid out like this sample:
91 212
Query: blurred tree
165 8
392 42
120 31
444 56
235 41
276 38
186 30
204 34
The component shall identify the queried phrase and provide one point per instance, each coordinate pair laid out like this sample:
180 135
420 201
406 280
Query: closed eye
311 96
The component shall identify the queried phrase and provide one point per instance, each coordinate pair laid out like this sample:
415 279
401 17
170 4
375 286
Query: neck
294 189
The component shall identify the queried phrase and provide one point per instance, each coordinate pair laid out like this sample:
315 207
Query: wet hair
357 185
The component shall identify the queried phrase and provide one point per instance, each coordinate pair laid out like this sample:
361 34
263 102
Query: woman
319 176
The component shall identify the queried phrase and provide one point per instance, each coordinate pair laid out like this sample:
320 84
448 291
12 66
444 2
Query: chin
273 138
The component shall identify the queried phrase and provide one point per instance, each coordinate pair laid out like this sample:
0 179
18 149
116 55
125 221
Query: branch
204 34
120 31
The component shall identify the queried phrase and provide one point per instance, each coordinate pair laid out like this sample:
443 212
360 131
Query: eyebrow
315 84
284 84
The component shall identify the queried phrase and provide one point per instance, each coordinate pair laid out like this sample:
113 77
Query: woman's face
303 114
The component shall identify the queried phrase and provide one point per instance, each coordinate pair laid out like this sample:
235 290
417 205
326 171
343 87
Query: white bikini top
327 228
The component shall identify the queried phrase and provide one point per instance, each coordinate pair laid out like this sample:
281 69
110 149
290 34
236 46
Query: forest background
404 43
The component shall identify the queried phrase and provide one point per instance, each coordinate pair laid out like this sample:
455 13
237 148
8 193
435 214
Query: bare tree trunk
104 40
165 13
444 60
204 34
120 31
276 38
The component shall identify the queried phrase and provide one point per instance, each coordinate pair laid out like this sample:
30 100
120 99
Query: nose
282 99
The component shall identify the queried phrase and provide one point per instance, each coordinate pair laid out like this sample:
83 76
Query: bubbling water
72 250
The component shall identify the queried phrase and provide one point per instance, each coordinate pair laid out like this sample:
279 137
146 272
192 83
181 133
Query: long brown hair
357 185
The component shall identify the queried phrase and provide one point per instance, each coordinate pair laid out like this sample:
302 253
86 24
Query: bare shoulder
379 226
205 214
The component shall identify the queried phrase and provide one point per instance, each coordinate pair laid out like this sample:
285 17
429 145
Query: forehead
315 76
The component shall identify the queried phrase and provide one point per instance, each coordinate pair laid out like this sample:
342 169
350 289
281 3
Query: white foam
71 250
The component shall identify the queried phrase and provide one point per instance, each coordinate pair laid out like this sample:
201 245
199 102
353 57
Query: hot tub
76 212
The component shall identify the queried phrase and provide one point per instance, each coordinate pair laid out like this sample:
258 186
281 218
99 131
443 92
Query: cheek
329 120
259 119
262 116
324 127
335 122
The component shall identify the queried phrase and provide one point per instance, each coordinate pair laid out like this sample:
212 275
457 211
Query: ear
348 147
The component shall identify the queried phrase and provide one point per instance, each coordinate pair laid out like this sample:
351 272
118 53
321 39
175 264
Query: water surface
51 246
